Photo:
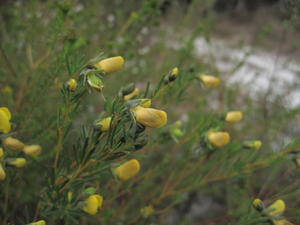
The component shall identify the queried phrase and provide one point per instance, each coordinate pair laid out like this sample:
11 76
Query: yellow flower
281 222
105 124
5 116
72 84
134 15
128 169
92 204
70 195
2 173
173 75
234 116
146 103
13 144
1 153
32 150
276 209
18 162
209 81
134 93
40 222
253 144
150 117
111 65
257 144
218 139
127 89
258 204
178 123
147 211
7 90
175 71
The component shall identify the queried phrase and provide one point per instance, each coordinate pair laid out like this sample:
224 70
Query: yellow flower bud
150 117
70 196
40 222
135 92
2 173
234 116
32 150
92 204
1 153
253 144
72 84
134 15
5 116
111 65
281 222
128 169
13 144
276 209
127 89
146 103
175 71
257 144
7 90
104 124
18 162
218 139
209 81
177 124
172 75
147 211
6 112
258 204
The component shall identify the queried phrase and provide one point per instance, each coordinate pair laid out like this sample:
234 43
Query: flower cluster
140 114
136 115
124 129
10 143
217 137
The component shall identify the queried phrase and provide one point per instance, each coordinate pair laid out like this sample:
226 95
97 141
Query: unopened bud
209 81
72 84
111 65
1 153
18 162
32 150
13 144
258 204
2 173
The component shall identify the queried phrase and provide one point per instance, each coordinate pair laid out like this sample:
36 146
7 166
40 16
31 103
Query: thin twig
9 65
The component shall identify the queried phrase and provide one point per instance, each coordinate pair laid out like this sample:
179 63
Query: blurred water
262 71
